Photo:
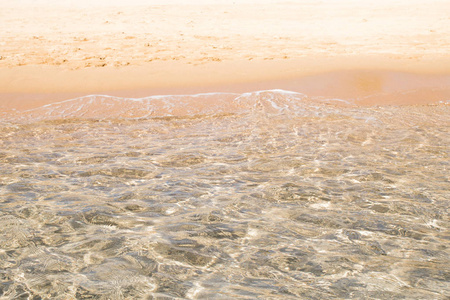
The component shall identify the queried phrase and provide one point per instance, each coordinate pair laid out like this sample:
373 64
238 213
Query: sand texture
74 49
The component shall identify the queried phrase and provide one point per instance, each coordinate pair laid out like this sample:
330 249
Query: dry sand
54 50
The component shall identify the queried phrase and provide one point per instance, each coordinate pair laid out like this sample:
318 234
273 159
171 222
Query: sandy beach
224 149
55 50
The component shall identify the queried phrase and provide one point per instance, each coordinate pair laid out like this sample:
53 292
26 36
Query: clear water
267 195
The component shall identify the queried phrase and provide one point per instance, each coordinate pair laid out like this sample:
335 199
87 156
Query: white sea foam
265 102
106 106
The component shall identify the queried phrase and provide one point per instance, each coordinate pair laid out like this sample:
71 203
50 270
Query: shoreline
56 50
367 80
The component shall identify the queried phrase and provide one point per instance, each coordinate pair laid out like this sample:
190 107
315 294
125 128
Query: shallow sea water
267 195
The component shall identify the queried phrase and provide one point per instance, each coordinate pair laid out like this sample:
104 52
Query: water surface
267 195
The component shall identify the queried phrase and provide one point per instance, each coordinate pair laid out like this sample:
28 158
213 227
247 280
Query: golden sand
349 49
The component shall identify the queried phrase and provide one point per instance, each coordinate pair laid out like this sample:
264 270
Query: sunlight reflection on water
327 202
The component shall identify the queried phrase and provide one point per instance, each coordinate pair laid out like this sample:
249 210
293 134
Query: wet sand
26 87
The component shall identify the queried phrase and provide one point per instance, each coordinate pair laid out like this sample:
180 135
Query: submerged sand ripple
335 202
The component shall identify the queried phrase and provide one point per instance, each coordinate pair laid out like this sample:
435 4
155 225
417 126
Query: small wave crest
271 102
260 103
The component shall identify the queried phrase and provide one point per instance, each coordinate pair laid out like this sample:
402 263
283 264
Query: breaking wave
110 107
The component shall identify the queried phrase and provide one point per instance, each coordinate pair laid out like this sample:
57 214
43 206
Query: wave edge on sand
102 106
